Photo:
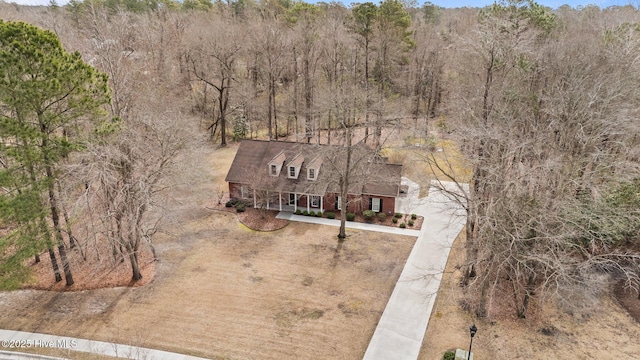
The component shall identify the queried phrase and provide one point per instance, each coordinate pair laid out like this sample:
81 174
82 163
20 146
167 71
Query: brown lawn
225 291
222 290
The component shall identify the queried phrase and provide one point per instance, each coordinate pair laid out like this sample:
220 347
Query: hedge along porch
289 176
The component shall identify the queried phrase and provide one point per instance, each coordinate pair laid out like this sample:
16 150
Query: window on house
338 202
376 204
312 174
315 201
246 192
292 171
292 199
274 170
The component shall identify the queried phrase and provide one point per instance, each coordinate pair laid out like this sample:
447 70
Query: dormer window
313 168
275 165
294 166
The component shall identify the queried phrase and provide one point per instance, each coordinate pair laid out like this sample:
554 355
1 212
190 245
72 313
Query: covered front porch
288 201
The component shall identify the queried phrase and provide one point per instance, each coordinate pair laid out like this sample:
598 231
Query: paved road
12 355
10 339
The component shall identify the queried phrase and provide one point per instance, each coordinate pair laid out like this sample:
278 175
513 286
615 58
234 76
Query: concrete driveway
403 323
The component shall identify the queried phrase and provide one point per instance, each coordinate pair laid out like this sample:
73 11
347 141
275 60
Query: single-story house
287 176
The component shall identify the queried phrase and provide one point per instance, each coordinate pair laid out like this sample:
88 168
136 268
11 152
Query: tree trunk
344 187
329 127
379 119
470 271
295 89
342 234
487 88
54 208
73 242
308 125
522 313
224 101
270 111
55 217
481 310
273 106
133 258
367 101
54 264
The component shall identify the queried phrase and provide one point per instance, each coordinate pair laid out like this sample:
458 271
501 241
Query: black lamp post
473 329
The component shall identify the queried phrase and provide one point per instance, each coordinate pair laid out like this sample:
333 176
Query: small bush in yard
298 212
240 207
410 223
305 213
382 216
231 203
368 215
414 216
330 215
351 216
395 220
397 215
449 355
312 213
402 225
319 214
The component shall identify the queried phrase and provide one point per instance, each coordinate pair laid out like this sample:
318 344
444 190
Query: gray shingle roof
250 166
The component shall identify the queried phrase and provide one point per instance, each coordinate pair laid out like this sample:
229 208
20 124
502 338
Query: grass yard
223 291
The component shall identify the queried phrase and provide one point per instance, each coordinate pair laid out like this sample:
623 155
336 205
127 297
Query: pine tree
49 99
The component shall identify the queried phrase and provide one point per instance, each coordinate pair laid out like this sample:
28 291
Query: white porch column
255 203
267 200
322 204
295 202
279 200
308 209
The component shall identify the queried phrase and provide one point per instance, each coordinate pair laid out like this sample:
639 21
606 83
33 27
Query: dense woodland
544 105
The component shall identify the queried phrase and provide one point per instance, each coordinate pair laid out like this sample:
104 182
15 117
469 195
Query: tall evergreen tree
48 100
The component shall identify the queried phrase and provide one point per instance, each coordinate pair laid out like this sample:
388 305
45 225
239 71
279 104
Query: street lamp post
473 329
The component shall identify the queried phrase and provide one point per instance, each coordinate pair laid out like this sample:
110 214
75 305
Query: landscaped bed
265 220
